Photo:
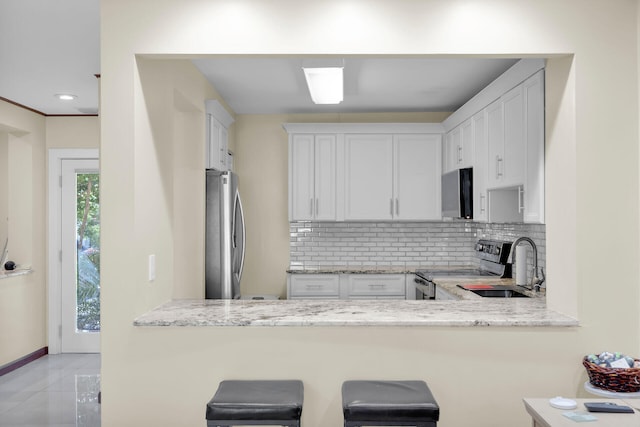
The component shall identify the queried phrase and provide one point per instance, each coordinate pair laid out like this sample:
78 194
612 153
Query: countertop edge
345 313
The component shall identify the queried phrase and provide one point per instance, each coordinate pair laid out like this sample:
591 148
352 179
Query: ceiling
50 47
259 85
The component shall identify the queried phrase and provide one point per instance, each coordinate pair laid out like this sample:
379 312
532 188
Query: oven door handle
424 282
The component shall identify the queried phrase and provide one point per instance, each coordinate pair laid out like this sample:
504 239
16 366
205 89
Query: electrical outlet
152 267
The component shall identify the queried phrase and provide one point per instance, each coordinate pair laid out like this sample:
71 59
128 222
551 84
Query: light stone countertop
403 313
374 269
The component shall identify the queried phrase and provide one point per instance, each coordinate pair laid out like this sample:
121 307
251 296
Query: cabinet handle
317 206
498 162
459 154
391 206
397 207
311 286
311 207
483 202
377 285
520 199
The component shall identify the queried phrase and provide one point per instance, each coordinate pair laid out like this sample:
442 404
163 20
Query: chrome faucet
536 281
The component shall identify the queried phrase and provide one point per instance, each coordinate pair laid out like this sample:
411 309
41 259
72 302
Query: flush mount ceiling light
325 84
65 96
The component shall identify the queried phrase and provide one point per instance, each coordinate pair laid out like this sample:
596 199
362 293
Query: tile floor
56 391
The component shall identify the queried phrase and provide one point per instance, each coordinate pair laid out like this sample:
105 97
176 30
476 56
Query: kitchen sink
498 292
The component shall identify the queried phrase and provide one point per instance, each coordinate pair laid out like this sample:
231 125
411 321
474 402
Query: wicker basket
613 379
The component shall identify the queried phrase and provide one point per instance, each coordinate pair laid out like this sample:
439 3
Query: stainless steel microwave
457 194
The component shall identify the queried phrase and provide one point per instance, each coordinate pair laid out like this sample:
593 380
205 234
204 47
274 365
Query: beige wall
592 147
23 298
25 138
73 132
261 161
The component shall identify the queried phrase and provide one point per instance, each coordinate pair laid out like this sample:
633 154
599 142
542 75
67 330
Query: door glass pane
88 252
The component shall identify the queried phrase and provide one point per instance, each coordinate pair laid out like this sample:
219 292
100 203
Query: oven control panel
496 251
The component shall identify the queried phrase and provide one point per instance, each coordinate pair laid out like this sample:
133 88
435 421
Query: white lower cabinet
350 286
375 285
313 286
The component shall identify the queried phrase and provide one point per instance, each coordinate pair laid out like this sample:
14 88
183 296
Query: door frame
54 234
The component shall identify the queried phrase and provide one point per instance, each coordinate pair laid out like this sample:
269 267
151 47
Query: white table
610 394
545 415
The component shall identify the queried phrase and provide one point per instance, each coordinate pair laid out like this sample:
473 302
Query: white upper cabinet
534 135
368 183
312 182
417 177
514 142
450 150
392 177
466 149
458 147
505 136
480 173
506 145
218 121
366 172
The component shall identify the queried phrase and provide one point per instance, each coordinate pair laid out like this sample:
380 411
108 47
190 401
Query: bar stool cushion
256 400
399 401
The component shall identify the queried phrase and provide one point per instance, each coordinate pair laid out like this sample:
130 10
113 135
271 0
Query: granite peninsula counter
395 313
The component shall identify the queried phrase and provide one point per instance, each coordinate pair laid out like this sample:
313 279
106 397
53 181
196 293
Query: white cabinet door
458 147
417 177
217 144
302 154
465 149
451 147
505 134
514 142
218 121
368 177
325 177
534 135
225 157
495 141
313 286
480 166
312 177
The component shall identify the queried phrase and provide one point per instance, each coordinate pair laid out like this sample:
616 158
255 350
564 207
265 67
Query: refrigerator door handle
238 203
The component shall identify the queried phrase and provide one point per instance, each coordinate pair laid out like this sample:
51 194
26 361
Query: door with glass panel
80 256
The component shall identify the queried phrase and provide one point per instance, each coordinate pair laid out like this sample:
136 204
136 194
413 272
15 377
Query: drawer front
376 285
315 285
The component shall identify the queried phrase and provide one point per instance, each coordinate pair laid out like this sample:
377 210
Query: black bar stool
388 403
256 402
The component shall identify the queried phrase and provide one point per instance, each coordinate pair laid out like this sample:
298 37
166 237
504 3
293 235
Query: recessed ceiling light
65 96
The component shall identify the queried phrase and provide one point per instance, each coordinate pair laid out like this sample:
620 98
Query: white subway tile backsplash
336 244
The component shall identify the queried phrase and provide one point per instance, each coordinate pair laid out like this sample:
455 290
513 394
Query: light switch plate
152 267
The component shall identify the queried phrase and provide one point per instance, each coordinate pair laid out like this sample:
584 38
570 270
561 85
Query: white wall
592 138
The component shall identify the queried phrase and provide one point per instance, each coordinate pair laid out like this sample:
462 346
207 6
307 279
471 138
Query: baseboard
12 366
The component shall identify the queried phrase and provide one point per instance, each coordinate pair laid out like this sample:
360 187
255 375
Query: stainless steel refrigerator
224 236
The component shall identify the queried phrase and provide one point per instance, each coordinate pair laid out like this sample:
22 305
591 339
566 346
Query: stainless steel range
492 256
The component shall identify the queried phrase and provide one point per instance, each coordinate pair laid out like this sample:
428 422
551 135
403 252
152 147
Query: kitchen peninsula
480 312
